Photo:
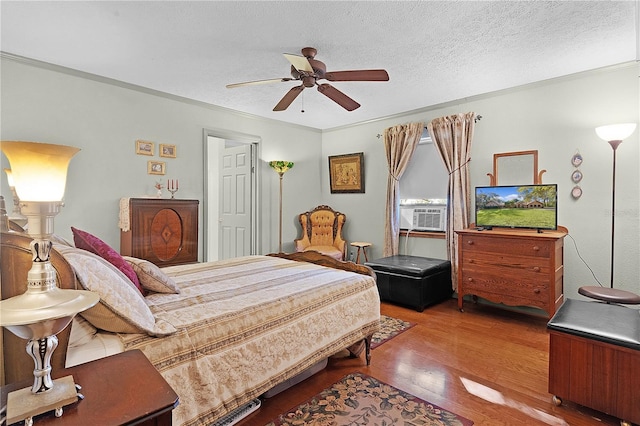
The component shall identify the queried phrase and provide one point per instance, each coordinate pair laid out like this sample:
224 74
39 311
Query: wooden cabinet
595 374
162 231
123 389
514 267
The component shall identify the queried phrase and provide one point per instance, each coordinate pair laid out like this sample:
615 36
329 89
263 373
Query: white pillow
122 309
82 332
151 277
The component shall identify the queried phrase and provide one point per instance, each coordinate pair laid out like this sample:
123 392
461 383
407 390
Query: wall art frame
144 147
346 173
156 167
168 151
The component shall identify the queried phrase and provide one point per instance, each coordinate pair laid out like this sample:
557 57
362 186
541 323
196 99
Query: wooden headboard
15 262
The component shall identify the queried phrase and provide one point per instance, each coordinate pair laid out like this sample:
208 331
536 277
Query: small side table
361 246
123 389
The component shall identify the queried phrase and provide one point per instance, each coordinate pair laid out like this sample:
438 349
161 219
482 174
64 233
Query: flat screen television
517 206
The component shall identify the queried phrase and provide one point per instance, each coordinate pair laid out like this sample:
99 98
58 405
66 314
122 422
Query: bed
221 333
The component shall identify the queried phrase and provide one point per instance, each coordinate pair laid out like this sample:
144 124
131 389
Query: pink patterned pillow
95 245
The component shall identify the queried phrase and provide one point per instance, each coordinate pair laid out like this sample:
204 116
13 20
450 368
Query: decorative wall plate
576 160
576 192
576 176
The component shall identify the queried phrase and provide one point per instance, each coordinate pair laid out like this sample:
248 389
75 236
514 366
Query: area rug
389 328
359 399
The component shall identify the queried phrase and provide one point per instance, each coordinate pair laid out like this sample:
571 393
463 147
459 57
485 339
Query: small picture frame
346 173
156 167
576 160
576 176
576 192
167 150
144 147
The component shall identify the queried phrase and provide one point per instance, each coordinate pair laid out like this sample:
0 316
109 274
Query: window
426 179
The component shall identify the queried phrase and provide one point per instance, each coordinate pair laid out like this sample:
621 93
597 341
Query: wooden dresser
514 267
162 231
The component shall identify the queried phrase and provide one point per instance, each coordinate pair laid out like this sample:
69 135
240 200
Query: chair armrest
302 243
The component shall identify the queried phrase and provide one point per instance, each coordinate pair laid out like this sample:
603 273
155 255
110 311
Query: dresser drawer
530 266
484 284
513 246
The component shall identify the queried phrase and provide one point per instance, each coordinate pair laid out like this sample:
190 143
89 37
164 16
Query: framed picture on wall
346 173
144 147
156 167
168 150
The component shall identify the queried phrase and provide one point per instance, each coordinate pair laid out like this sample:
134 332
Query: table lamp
39 173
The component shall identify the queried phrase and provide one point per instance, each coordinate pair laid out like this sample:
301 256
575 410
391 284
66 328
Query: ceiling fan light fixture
309 70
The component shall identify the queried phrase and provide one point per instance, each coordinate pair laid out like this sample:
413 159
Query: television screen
517 206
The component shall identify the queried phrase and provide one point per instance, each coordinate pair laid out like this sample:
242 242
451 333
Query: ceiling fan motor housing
319 70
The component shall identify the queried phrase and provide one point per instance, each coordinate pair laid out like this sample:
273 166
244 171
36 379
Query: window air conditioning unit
432 218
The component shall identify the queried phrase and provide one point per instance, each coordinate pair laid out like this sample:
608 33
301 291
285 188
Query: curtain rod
475 120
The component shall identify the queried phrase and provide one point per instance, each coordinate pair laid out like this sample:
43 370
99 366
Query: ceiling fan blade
299 62
357 75
288 98
337 96
256 82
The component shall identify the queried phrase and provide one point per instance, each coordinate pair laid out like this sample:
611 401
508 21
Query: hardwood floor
486 364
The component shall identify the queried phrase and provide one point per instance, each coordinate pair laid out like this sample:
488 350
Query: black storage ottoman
413 281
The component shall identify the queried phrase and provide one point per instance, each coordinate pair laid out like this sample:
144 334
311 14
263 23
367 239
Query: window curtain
400 142
452 136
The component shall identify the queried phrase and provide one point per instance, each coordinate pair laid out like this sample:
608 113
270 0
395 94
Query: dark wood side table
123 389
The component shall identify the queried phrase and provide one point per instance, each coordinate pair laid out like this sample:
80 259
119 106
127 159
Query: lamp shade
281 166
615 132
39 170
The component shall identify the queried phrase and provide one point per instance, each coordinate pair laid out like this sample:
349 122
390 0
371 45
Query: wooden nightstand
123 389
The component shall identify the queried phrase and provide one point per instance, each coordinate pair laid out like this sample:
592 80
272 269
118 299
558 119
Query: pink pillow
95 245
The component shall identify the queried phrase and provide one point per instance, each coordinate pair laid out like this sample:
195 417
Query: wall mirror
515 168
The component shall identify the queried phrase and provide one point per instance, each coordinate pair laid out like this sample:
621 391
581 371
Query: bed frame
15 262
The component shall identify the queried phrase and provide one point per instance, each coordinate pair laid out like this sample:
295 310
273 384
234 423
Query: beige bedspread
247 324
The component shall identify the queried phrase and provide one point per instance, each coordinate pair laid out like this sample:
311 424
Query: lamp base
24 405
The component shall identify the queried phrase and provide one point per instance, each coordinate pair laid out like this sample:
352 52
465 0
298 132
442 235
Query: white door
235 201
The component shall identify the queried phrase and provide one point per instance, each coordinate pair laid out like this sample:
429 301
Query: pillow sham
57 239
151 277
95 245
121 308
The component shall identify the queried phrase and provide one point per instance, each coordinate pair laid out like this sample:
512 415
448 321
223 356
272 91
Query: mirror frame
537 175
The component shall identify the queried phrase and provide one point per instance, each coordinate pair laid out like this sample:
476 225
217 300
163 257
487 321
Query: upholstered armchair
322 232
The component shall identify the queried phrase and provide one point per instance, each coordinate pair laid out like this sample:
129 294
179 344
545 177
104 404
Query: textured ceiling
434 51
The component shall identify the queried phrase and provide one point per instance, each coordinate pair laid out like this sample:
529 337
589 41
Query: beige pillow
121 309
151 277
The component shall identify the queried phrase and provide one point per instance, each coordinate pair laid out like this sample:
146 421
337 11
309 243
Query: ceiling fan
309 70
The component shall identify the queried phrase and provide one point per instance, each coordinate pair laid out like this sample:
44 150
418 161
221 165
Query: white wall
556 118
40 103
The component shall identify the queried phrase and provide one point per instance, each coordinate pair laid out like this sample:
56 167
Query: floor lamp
614 134
39 173
280 167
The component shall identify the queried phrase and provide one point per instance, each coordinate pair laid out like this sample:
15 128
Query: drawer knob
536 269
470 242
536 248
471 261
470 280
536 291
